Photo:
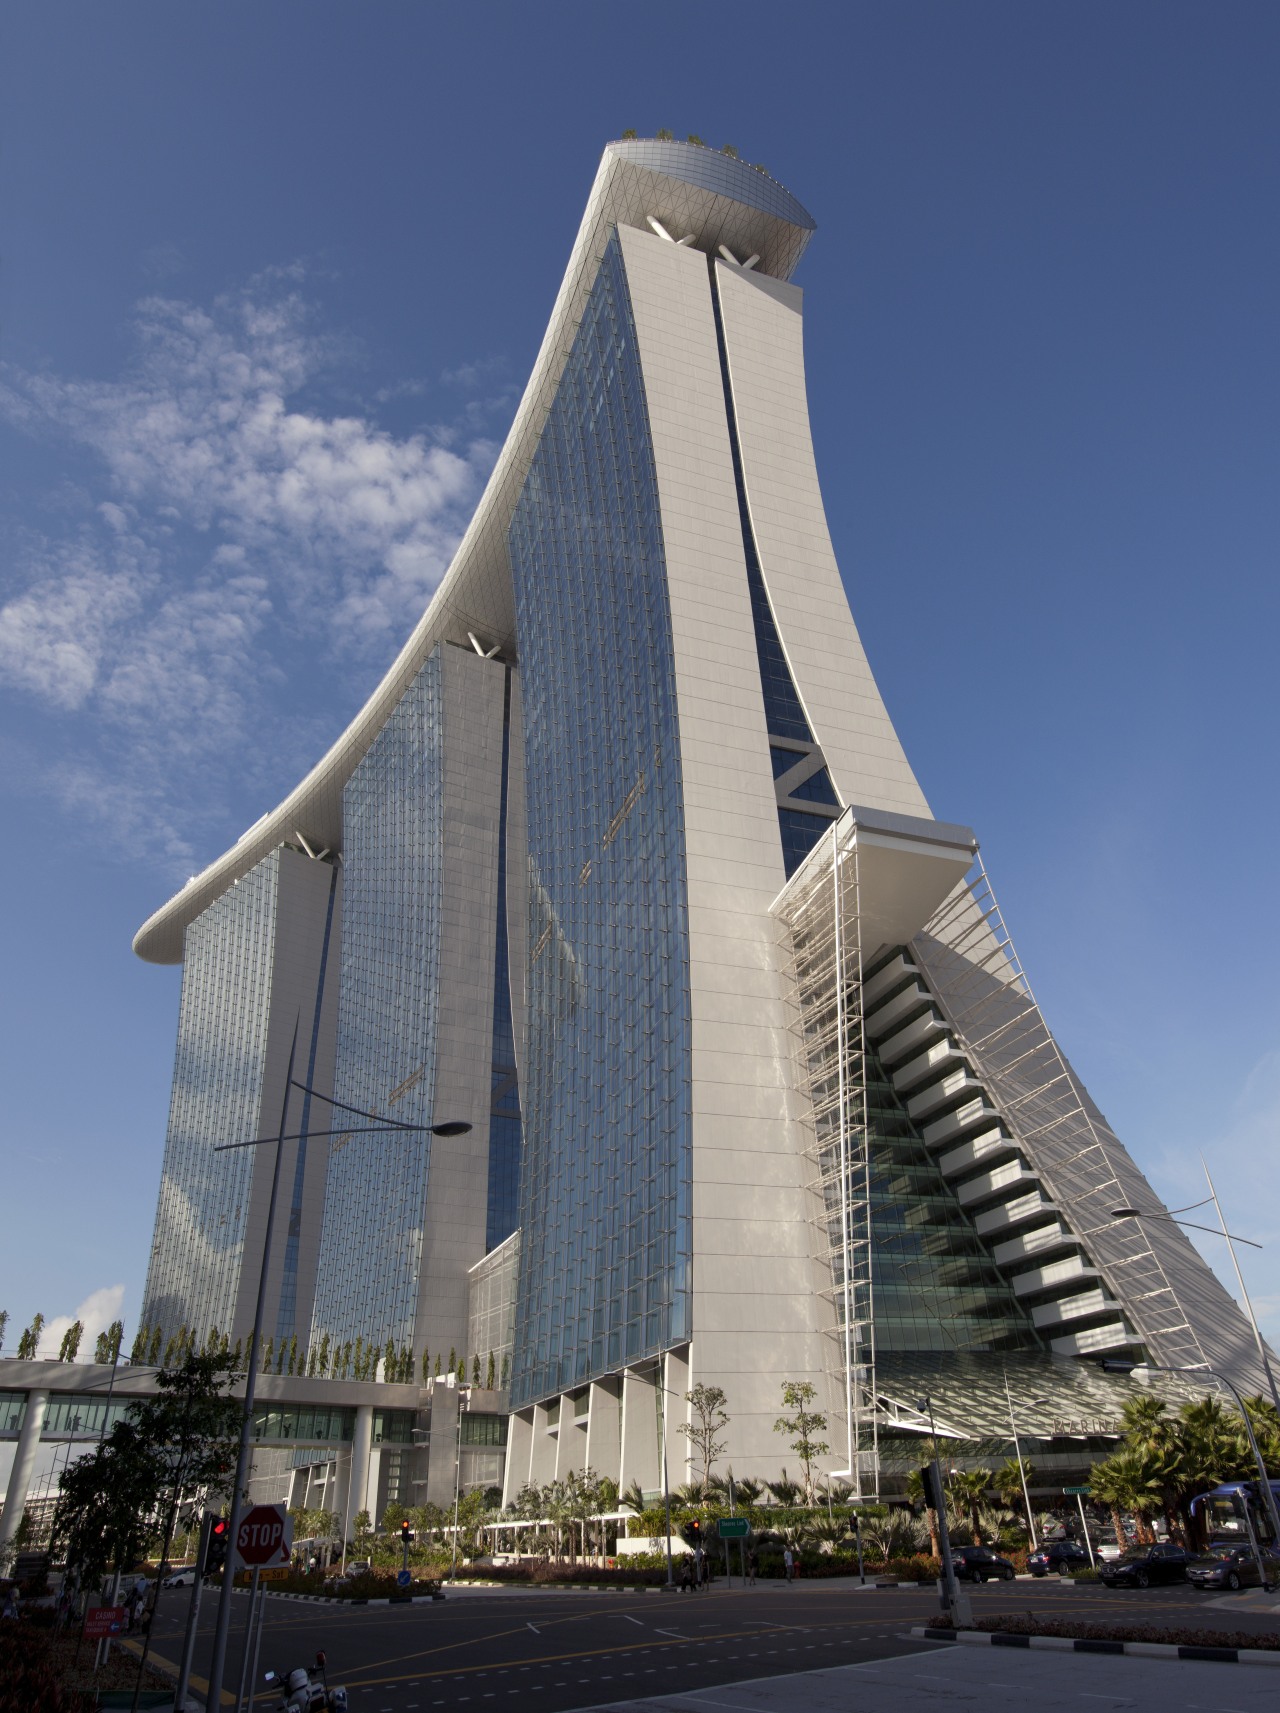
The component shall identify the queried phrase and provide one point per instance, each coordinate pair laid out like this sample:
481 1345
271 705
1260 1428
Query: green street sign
1084 1490
734 1528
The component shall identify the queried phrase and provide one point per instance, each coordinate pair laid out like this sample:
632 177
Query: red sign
264 1536
104 1621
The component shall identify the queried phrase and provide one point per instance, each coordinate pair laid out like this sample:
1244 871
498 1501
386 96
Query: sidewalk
995 1682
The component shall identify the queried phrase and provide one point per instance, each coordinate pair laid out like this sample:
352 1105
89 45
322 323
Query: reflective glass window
604 1264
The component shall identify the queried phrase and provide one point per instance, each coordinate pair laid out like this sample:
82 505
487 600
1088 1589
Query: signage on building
1085 1425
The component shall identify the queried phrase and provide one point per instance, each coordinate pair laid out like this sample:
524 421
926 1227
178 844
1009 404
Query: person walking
789 1564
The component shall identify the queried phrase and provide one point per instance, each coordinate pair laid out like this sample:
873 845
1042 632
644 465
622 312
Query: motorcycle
306 1689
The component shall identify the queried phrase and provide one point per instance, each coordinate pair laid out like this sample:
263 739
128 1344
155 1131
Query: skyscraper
637 879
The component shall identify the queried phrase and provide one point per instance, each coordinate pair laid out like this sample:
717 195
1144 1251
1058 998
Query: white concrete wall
755 1316
764 335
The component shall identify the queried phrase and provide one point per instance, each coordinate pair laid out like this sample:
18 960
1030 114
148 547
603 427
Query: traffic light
406 1531
692 1532
219 1540
926 1479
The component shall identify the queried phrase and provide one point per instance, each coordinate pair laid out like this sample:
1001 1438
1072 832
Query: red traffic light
220 1527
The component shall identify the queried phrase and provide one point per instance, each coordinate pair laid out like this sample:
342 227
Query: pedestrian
10 1603
789 1564
685 1575
753 1565
700 1563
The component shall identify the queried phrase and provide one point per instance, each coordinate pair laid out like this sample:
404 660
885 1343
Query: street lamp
454 1127
1219 1230
1264 1480
1017 1452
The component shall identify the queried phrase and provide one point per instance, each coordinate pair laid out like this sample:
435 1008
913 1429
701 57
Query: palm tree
894 1536
918 1496
1131 1480
968 1490
786 1492
632 1496
1008 1483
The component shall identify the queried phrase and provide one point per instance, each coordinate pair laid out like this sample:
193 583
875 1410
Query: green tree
29 1343
630 134
4 1321
705 1432
804 1425
489 1374
663 135
968 1489
69 1349
475 1369
1131 1479
1007 1482
183 1438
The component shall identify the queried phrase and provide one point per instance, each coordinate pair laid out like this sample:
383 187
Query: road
558 1651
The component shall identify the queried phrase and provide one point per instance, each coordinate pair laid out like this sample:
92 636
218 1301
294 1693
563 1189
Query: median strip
1227 1655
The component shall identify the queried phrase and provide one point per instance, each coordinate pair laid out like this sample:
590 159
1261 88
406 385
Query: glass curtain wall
371 1246
217 1093
604 1270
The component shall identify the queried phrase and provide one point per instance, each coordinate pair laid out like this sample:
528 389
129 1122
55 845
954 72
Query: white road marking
535 1629
632 1620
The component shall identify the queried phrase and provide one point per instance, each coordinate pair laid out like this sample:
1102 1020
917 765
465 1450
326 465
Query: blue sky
273 279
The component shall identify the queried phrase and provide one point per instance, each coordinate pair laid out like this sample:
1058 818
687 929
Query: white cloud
242 540
341 514
96 1313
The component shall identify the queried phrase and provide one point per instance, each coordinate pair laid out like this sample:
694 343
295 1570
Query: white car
181 1578
1109 1551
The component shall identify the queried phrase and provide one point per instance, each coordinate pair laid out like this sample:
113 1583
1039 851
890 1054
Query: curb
1087 1645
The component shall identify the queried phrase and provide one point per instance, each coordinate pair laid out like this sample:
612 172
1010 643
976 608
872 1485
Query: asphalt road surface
559 1651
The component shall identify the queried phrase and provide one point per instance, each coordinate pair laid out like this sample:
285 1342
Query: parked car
1140 1566
181 1578
1228 1564
978 1563
1108 1551
1057 1556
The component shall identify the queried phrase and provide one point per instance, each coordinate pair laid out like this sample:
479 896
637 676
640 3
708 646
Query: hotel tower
623 864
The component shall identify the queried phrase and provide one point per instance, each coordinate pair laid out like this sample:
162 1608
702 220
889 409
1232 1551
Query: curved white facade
761 1130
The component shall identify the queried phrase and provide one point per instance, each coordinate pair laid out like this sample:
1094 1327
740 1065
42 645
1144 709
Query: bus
1226 1517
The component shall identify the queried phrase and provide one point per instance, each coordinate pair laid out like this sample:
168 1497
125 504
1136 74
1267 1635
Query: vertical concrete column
639 1433
604 1428
519 1454
15 1498
358 1485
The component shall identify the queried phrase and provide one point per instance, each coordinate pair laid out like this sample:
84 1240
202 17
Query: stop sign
264 1536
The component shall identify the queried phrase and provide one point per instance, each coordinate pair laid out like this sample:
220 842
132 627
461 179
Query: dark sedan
1140 1566
977 1563
1057 1556
1227 1564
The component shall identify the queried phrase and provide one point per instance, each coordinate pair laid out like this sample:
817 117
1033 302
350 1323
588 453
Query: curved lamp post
451 1127
1219 1230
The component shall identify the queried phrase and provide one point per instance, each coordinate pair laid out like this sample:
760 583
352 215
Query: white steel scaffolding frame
972 969
824 928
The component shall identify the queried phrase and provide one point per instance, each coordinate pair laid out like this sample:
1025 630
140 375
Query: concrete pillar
519 1453
639 1458
604 1426
15 1498
358 1486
